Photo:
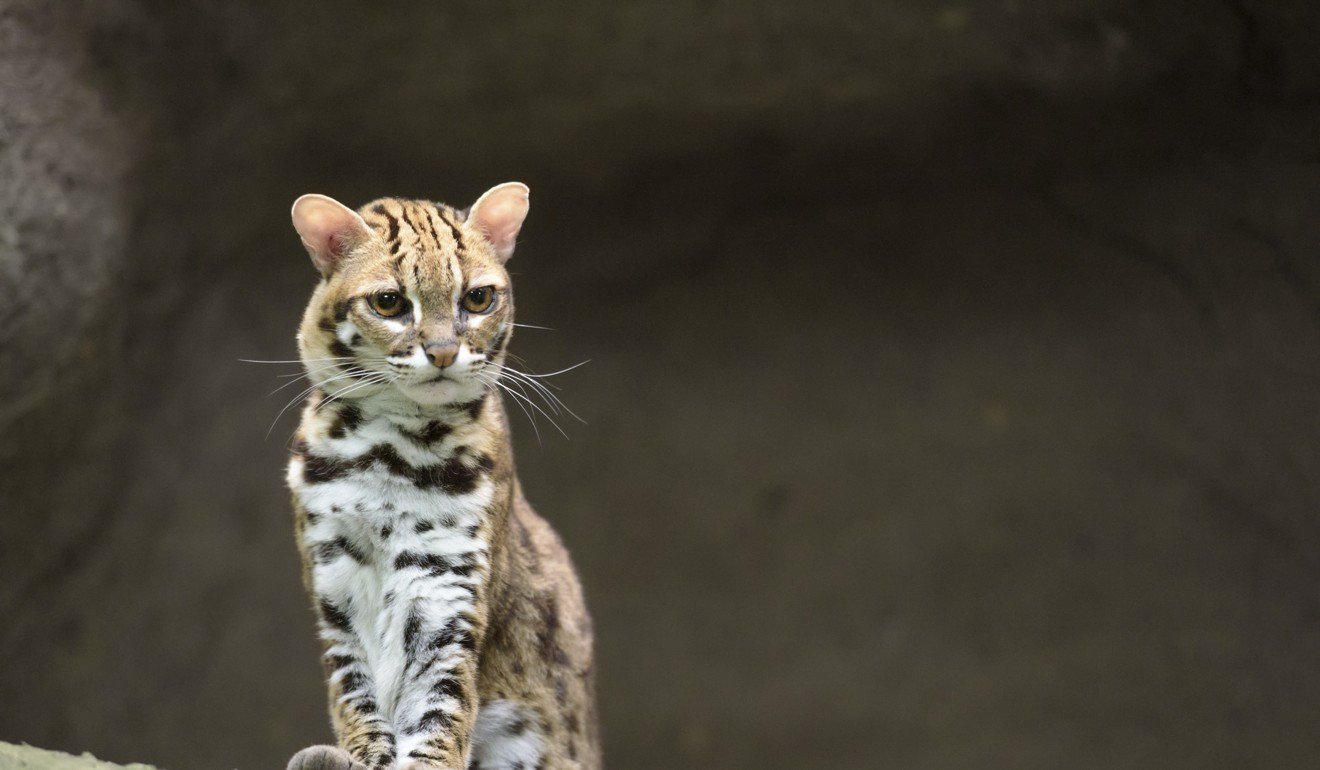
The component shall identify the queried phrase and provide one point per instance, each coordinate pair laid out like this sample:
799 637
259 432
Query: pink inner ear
328 229
500 214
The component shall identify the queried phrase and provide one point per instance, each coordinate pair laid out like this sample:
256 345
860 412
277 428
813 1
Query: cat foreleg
437 704
359 727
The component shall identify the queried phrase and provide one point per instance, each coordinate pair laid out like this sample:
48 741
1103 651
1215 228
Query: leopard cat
454 629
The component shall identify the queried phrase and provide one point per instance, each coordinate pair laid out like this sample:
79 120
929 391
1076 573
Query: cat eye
479 300
387 304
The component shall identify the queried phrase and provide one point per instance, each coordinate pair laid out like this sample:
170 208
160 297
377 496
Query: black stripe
334 616
432 432
393 237
433 720
452 634
433 563
412 629
452 475
340 661
453 229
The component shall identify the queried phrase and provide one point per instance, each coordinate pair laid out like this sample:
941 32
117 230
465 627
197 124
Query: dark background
953 387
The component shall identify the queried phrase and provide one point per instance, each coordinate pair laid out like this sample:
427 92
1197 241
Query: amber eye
387 304
479 300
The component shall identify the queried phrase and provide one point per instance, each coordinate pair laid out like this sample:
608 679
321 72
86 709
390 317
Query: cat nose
441 353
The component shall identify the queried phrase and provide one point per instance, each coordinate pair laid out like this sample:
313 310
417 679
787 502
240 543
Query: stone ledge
16 756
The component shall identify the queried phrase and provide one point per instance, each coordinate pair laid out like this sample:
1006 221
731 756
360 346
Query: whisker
294 360
540 388
309 389
533 326
561 371
534 405
530 419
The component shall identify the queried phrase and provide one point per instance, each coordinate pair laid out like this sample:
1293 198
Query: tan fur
533 636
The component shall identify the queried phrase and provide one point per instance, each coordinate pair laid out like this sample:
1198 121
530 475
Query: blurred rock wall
952 398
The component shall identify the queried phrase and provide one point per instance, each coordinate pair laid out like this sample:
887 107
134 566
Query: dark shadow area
952 398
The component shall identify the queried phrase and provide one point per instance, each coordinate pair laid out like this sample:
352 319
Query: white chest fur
395 537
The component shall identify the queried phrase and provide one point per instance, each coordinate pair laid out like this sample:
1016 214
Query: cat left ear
329 230
499 213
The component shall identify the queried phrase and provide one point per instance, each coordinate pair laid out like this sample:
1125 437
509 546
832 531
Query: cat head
414 300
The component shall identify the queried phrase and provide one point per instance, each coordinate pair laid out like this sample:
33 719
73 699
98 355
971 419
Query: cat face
415 301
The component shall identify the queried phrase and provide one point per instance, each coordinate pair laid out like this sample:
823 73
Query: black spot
360 507
341 310
339 661
473 408
473 530
347 419
334 616
452 634
499 344
340 546
355 340
448 688
548 608
386 531
517 727
351 681
423 526
448 522
432 432
338 348
326 325
561 690
387 506
313 517
389 598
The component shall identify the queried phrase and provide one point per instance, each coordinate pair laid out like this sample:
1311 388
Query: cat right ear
329 230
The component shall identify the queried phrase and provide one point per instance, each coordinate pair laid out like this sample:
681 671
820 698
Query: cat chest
391 544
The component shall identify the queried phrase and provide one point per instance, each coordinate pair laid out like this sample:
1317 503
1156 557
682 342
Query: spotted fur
454 629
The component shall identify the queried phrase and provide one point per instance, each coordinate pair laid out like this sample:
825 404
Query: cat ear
499 213
329 230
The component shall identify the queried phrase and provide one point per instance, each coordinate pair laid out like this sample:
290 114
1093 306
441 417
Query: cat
454 628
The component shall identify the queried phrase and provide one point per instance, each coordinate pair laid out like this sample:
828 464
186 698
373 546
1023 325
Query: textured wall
953 386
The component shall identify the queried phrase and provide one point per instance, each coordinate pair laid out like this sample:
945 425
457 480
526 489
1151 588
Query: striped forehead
424 243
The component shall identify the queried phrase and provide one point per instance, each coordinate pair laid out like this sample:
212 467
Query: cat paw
324 758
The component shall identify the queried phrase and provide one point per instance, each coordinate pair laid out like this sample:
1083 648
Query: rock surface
24 757
953 387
